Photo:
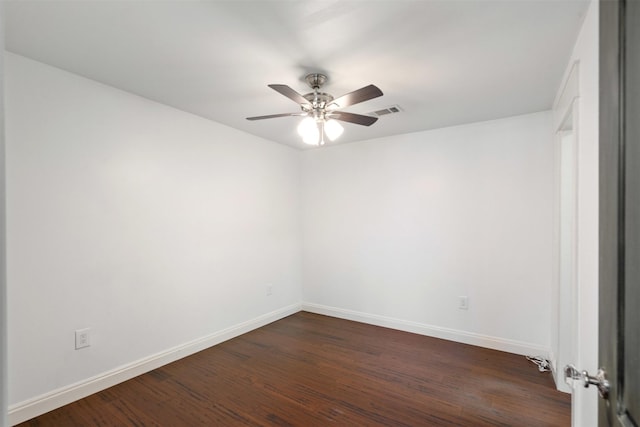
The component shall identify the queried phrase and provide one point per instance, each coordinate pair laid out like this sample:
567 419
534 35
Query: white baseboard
495 343
26 410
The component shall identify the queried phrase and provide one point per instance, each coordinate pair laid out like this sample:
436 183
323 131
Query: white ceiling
443 62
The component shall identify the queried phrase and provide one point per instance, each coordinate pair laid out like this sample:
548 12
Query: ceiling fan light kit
320 110
312 130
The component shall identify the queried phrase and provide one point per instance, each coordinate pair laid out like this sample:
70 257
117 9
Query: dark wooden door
620 210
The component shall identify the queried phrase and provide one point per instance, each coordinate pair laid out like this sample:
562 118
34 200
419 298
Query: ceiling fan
321 109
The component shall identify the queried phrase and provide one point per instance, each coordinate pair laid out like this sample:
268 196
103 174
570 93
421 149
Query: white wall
151 226
396 229
585 52
3 282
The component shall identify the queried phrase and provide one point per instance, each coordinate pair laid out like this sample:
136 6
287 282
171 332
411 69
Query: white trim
558 375
495 343
28 409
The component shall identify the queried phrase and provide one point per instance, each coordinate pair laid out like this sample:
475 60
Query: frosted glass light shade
333 129
308 130
311 138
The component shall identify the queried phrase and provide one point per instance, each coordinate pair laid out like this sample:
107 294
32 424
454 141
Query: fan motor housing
318 99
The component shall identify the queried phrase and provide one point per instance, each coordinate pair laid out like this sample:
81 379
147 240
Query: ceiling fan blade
358 119
273 116
290 93
363 94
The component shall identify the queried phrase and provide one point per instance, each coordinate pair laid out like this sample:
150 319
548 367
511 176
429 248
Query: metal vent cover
388 110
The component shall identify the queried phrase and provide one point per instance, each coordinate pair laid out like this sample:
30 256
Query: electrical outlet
463 303
269 289
83 338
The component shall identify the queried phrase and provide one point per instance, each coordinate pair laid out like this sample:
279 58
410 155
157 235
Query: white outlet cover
83 338
463 303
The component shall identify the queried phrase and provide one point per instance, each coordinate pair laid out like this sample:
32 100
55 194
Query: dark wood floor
312 370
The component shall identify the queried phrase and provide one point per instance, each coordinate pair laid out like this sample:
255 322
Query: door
620 210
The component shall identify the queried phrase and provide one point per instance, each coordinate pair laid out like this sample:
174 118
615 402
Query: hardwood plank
313 370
